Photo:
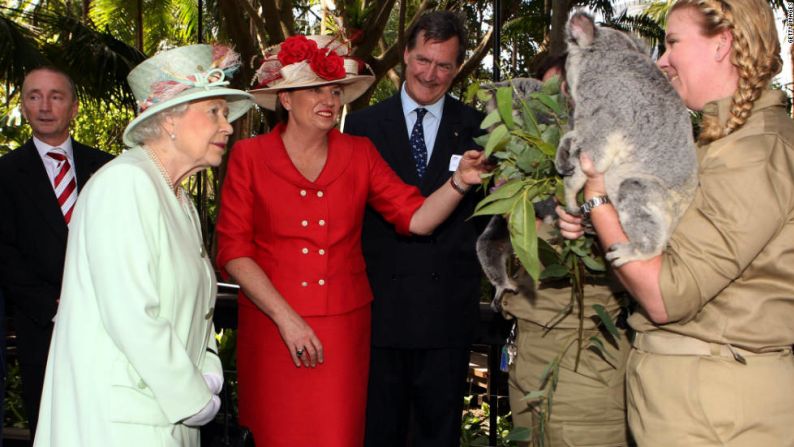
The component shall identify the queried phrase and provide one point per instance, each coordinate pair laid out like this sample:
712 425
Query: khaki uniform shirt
544 307
728 273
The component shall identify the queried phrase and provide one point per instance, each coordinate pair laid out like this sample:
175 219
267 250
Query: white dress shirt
429 124
52 165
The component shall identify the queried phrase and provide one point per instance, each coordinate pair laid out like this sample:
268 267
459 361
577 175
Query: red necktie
64 183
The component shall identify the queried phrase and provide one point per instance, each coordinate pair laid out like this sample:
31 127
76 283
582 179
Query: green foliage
227 347
475 426
523 138
14 415
525 173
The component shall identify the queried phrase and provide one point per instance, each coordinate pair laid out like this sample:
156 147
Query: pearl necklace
162 170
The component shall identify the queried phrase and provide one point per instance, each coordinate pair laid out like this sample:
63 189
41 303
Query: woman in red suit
289 232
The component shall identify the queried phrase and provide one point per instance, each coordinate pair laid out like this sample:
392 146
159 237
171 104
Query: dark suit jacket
33 239
426 289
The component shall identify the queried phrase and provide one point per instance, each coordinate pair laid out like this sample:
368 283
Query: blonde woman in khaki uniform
712 361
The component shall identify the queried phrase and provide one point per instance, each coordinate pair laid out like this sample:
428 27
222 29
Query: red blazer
305 235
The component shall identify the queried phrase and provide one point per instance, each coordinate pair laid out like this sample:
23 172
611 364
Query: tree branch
477 55
259 24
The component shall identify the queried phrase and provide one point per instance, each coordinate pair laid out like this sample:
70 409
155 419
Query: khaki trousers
710 400
588 407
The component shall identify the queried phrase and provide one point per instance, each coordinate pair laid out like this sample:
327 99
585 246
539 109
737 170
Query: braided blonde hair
755 53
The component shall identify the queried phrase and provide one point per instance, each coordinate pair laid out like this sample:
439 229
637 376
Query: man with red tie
39 185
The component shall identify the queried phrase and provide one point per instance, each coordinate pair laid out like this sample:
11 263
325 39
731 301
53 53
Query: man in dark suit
426 289
39 183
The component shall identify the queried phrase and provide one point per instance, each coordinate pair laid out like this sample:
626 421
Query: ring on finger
299 351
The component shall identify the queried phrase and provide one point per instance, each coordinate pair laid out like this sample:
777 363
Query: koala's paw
496 304
619 254
563 162
572 209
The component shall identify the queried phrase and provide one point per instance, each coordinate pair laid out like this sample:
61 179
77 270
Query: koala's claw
573 210
619 254
496 304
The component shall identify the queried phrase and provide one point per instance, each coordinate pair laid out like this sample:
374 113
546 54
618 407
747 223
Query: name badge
454 161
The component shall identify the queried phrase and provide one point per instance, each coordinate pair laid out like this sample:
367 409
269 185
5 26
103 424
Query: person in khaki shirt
588 405
712 361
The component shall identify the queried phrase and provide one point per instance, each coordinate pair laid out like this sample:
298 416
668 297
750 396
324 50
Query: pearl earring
173 136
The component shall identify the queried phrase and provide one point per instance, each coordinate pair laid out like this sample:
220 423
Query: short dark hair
440 26
56 70
549 61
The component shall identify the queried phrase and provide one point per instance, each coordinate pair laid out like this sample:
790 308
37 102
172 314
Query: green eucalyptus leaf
502 206
596 343
603 315
504 103
482 140
491 119
523 236
579 247
497 138
552 85
510 172
528 119
551 135
594 264
505 191
484 94
547 148
503 155
471 92
528 161
559 194
554 271
534 396
516 145
547 254
548 102
544 376
519 434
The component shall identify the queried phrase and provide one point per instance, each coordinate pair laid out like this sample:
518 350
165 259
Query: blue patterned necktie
418 148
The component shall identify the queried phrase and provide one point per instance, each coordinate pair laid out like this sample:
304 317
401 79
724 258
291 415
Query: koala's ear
581 29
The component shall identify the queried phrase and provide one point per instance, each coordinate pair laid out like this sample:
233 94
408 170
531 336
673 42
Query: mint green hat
185 74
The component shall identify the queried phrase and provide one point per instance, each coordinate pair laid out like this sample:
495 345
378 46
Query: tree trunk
559 17
139 26
86 10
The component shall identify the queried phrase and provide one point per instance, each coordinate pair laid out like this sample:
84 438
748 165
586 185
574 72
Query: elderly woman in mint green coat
133 360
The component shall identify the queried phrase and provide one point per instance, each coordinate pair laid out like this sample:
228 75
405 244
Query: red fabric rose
328 66
295 49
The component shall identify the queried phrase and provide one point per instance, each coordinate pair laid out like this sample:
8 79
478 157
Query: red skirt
296 407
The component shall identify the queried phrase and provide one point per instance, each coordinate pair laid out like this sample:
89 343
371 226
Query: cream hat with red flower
309 61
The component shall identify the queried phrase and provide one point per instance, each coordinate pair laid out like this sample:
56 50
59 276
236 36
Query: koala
634 127
494 251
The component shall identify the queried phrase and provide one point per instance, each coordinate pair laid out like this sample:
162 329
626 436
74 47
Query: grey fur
494 251
635 128
522 87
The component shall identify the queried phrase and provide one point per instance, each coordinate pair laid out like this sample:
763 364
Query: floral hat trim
290 60
225 62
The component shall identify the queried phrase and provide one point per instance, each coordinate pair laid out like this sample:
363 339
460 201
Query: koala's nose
565 170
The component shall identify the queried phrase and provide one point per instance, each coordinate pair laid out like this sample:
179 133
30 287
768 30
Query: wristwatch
588 206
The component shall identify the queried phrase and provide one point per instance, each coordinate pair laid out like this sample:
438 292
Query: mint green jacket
134 332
